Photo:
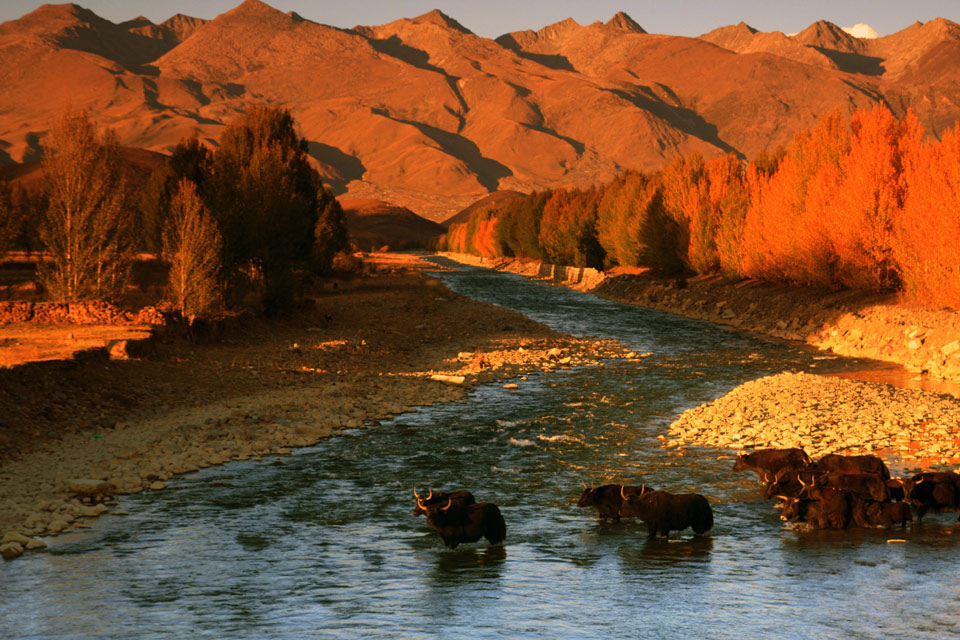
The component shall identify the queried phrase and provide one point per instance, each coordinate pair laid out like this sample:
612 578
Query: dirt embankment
75 433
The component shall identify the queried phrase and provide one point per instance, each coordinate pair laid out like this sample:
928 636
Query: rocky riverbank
882 327
910 428
78 434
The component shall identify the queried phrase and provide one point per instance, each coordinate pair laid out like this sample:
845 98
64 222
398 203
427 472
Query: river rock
34 544
11 550
14 536
90 487
57 525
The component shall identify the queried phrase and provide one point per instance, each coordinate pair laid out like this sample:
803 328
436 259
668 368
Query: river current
326 546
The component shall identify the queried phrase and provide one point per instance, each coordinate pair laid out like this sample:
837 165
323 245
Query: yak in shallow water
853 464
461 497
459 523
770 462
664 512
607 498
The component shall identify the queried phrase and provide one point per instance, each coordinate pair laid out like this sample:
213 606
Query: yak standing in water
770 462
461 497
665 512
458 523
606 498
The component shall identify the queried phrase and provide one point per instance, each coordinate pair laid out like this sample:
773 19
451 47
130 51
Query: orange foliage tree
728 197
781 239
927 233
620 215
568 229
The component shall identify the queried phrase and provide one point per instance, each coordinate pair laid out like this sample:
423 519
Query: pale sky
491 18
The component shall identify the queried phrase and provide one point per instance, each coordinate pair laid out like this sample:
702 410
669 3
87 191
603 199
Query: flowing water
326 545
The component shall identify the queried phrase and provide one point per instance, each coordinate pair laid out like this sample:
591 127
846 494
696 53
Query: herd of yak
831 493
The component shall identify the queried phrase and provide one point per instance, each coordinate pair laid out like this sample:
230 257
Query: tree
927 233
86 227
191 246
266 198
330 232
568 229
190 159
518 227
11 220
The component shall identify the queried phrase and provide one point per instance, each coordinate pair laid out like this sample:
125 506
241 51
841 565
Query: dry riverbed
77 435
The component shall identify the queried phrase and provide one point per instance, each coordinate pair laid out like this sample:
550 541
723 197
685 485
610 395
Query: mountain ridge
424 113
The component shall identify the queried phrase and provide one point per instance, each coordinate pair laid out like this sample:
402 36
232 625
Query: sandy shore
79 434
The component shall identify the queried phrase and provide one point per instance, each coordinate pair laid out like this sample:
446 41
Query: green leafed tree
191 246
86 226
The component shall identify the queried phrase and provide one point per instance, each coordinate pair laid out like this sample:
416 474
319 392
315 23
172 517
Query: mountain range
425 114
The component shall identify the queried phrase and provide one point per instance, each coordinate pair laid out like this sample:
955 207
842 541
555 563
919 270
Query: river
326 546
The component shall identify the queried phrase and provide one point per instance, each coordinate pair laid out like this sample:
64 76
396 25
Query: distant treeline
245 224
859 204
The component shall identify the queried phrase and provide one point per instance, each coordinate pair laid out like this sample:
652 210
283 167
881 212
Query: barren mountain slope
424 113
742 38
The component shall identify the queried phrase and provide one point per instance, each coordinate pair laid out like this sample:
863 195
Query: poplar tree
191 246
86 226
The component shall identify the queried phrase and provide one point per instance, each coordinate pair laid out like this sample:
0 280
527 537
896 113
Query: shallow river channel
326 546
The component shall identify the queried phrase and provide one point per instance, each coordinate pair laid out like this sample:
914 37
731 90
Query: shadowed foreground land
364 353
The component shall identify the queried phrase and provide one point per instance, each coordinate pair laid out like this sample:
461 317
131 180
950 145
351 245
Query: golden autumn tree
926 241
867 198
86 227
728 197
620 216
781 240
191 246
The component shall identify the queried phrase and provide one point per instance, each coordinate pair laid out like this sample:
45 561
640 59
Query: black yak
462 497
825 509
933 491
606 498
665 512
458 523
769 462
853 464
867 486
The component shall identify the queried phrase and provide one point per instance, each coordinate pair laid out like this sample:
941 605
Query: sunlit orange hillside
425 114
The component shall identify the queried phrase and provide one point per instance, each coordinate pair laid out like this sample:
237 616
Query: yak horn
643 488
415 494
449 502
584 484
922 479
766 477
784 498
622 493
